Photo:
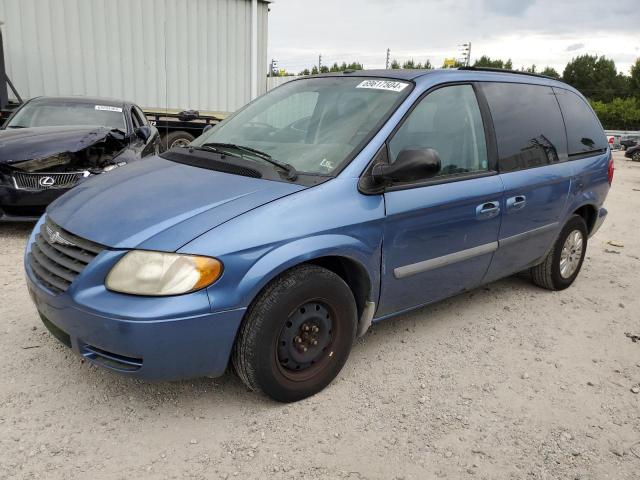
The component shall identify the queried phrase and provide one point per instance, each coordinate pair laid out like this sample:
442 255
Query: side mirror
143 133
411 165
207 128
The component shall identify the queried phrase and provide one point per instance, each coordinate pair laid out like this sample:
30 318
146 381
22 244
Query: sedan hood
17 146
157 204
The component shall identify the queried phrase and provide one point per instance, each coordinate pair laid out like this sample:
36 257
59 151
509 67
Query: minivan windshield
56 113
313 124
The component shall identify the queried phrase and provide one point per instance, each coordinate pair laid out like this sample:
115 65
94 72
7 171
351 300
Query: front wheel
297 334
636 156
562 264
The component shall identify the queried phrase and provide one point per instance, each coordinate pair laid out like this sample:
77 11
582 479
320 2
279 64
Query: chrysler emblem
46 182
55 237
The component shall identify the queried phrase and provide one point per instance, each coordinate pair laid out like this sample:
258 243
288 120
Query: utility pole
272 67
466 54
388 58
319 63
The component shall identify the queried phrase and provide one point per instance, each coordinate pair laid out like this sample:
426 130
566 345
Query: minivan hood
20 144
157 204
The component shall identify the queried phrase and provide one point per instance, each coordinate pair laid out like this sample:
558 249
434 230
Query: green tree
550 72
634 81
619 114
409 65
485 61
395 65
596 77
314 70
305 72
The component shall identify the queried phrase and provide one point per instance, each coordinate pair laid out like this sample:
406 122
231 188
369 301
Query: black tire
261 353
549 274
636 156
175 139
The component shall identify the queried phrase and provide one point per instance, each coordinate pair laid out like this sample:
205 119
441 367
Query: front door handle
516 203
487 210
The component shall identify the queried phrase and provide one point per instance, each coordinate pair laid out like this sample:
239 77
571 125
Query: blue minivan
275 239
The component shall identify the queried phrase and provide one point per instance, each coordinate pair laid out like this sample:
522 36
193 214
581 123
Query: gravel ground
507 381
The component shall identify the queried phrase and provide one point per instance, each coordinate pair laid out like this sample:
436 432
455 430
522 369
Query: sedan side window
449 121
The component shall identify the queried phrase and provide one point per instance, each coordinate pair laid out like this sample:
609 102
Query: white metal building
208 55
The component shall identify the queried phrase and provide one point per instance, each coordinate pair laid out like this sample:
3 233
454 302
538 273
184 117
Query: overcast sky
541 32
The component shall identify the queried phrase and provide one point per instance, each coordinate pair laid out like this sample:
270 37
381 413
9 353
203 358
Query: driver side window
449 121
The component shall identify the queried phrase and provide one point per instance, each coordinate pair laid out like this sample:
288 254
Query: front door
440 236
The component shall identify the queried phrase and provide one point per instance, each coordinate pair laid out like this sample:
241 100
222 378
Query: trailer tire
175 139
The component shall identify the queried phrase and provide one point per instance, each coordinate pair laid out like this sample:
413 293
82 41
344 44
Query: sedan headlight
158 274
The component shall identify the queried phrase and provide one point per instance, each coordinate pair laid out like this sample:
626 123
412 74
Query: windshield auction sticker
108 109
389 85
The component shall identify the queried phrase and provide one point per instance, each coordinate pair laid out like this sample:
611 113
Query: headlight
142 272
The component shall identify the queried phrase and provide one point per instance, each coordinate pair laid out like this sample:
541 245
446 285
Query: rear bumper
602 215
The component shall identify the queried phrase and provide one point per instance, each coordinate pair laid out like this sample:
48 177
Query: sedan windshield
314 124
47 113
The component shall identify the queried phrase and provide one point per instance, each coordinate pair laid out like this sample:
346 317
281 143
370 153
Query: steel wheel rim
305 343
180 142
571 253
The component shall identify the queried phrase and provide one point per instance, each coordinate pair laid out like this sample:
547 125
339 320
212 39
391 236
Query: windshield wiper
292 173
16 126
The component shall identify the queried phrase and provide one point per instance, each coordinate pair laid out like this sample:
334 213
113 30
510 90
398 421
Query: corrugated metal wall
158 53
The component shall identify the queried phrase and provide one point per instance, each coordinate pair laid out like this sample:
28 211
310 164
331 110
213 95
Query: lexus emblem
47 182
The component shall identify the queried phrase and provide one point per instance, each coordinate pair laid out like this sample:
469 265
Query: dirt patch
507 381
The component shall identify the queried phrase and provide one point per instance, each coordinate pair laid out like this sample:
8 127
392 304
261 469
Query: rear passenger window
449 121
528 124
584 133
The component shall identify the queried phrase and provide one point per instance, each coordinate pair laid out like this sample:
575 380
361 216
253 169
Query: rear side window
584 133
528 124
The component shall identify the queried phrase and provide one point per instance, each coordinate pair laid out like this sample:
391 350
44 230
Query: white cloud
541 32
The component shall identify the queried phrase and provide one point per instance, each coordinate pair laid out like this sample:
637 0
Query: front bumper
18 205
167 338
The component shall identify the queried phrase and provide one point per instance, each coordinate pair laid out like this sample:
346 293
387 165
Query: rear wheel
636 156
562 264
176 139
297 334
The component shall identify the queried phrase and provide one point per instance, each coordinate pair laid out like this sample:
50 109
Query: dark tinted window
528 124
584 133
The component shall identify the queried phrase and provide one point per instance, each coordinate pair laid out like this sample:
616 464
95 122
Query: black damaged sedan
51 144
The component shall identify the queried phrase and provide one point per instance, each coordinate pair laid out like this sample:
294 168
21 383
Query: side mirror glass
143 133
412 165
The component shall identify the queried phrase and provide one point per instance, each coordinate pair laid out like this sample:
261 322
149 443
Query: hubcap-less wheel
305 340
636 157
180 142
571 254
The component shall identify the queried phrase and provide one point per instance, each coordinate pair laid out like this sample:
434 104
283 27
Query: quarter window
528 124
584 133
449 121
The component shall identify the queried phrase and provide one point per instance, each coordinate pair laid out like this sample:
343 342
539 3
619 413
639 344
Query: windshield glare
312 124
58 114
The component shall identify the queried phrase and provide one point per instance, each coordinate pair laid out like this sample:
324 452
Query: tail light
611 140
611 168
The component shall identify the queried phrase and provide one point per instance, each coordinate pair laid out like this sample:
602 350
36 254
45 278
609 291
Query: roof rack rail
502 70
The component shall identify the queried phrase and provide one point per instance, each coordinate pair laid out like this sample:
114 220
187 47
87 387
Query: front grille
57 256
46 181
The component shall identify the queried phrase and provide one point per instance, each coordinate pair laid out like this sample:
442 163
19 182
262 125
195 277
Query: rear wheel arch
589 214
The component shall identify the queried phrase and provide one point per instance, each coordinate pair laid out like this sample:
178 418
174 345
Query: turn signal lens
157 274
